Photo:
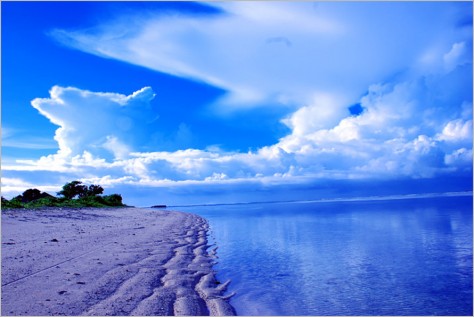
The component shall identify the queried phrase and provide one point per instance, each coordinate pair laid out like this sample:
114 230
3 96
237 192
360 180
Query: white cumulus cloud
94 121
457 130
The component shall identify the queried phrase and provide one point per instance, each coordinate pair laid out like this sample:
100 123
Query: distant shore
113 261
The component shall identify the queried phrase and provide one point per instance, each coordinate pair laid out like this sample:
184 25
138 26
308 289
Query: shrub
113 200
92 201
44 202
13 203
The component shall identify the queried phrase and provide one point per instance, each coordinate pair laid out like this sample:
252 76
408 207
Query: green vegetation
73 195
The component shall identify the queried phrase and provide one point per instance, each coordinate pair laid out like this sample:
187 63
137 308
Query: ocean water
399 257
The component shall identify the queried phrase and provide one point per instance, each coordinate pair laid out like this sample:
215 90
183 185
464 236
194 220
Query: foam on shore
124 261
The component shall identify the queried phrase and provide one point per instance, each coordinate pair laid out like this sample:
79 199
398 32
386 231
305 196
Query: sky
237 101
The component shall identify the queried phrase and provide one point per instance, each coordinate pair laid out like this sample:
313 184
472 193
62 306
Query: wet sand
123 261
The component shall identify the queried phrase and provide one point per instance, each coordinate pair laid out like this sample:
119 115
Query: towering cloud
95 121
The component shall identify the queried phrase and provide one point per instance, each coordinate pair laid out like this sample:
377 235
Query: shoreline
112 261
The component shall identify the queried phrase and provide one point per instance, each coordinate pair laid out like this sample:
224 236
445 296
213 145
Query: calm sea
399 257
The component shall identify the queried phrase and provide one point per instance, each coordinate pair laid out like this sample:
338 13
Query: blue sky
237 101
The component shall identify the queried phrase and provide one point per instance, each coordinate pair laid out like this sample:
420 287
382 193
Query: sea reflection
411 257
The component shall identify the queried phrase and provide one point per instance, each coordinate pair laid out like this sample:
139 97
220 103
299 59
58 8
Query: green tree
30 195
73 189
94 190
113 200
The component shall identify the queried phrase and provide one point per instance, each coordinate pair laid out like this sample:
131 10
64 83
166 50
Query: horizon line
339 199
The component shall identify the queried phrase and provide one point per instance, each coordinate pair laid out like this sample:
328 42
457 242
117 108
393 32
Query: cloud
119 149
413 81
15 186
456 56
95 121
408 128
396 135
32 143
461 158
339 49
15 138
456 130
279 39
324 111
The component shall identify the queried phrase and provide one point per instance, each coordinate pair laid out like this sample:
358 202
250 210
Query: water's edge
346 258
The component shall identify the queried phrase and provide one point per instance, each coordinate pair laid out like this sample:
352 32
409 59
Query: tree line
73 194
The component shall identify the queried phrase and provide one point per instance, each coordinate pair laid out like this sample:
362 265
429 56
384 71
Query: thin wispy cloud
14 138
337 49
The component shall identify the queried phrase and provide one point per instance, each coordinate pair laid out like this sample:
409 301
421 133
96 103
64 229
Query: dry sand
123 261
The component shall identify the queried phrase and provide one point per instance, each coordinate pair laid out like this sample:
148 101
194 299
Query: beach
114 261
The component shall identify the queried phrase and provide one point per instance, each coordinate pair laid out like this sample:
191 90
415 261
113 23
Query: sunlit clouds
406 67
94 121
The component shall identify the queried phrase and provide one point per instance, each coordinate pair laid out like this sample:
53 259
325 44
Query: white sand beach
120 261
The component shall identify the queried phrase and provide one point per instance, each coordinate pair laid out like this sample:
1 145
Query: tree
30 195
73 189
113 200
94 190
76 188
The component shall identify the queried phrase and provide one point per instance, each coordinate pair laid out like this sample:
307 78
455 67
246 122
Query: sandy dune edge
124 261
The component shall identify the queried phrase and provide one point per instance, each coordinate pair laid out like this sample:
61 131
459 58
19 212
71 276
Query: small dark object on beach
159 206
54 240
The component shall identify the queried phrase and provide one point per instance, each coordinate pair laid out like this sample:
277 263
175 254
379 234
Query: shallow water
399 257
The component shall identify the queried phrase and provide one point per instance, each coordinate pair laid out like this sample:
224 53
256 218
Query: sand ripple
108 262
